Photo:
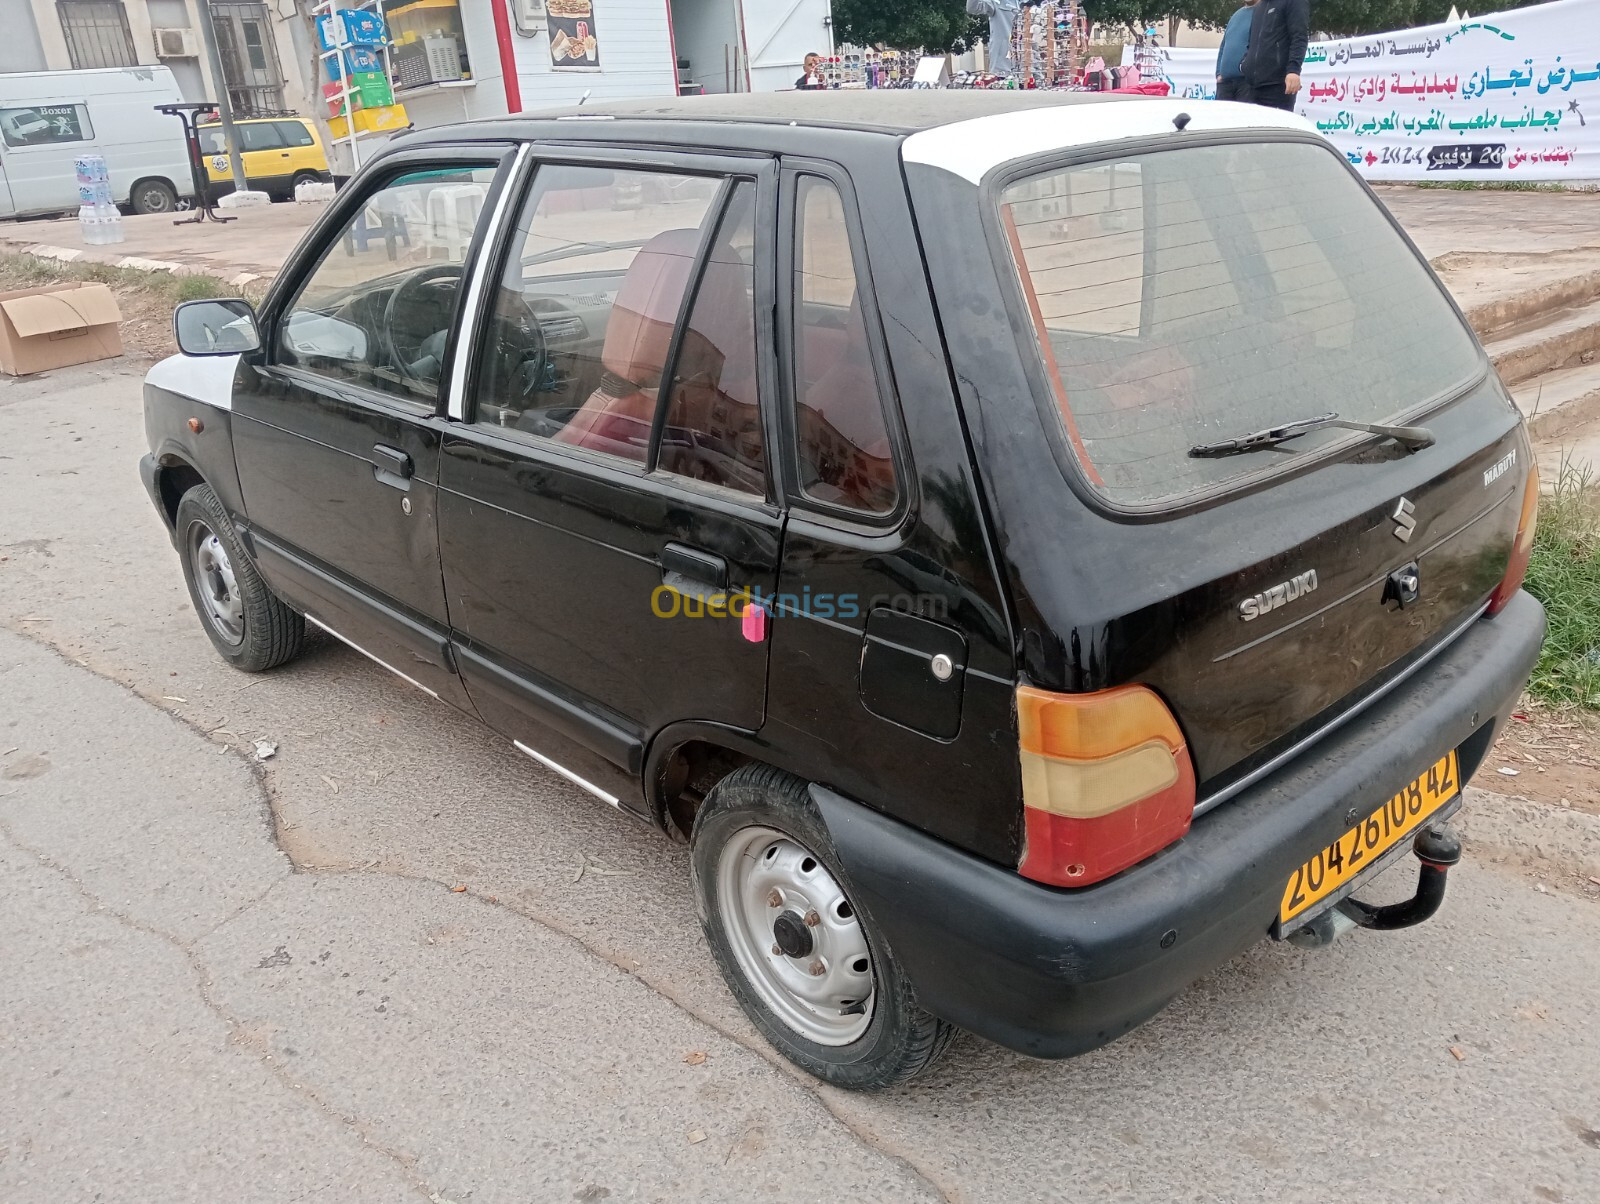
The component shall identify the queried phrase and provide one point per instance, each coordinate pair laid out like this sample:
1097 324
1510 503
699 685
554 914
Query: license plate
1363 846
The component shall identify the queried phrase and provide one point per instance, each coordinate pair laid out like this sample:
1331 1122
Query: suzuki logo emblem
1405 520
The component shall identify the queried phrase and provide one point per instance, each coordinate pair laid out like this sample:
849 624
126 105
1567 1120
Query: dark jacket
1278 34
1235 41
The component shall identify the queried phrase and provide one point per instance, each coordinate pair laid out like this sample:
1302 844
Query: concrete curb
1534 834
136 262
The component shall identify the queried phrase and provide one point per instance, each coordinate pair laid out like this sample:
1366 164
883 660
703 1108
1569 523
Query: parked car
277 153
1032 547
49 118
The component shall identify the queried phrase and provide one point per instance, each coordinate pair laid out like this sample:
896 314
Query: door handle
391 467
691 572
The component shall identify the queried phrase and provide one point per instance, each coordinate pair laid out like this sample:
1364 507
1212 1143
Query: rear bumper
1055 973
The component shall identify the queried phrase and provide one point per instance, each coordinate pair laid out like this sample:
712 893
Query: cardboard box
58 325
371 121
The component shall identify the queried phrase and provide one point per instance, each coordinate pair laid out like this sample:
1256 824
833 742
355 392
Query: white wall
635 60
778 35
707 34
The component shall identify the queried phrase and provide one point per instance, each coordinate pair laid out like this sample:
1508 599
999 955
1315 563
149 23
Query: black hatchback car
1032 546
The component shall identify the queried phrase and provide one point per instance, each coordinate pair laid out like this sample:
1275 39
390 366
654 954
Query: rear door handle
391 466
692 572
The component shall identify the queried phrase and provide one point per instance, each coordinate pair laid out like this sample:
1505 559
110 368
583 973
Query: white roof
970 148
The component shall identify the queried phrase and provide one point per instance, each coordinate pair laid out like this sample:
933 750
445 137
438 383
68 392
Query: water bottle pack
98 216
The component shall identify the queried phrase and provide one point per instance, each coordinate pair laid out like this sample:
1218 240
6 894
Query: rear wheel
247 623
809 969
153 196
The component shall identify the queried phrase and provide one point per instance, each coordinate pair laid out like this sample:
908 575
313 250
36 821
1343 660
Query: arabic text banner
1513 96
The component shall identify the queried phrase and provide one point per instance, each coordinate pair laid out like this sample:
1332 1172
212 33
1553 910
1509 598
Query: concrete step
1560 402
1546 342
1519 309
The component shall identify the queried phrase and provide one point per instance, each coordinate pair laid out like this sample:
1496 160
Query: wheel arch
133 189
685 760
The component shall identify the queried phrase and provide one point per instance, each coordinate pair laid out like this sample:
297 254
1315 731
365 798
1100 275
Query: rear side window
260 135
293 133
43 125
841 434
1192 295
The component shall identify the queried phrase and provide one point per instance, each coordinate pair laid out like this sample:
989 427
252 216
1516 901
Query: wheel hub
796 937
791 934
220 600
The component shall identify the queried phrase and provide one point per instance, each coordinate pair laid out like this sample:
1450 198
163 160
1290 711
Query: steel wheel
223 605
795 936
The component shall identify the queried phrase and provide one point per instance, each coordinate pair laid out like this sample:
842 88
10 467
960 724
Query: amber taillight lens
1522 548
1106 781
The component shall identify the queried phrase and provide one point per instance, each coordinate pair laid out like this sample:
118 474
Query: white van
49 118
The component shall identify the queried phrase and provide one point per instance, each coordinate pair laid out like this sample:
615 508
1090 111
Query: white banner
1513 96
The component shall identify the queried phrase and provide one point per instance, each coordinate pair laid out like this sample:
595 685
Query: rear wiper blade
1413 438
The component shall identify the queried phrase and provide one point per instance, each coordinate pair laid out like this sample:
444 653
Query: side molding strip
569 775
369 656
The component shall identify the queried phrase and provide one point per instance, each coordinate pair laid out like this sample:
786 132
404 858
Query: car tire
248 624
153 196
792 946
303 177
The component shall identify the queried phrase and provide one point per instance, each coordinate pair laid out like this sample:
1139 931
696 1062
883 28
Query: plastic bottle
110 218
89 225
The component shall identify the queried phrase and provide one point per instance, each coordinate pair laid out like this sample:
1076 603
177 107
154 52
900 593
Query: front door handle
391 466
692 572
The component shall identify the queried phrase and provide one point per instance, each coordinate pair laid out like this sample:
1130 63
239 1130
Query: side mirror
216 327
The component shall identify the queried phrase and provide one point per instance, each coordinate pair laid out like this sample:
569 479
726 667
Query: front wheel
248 624
809 969
153 196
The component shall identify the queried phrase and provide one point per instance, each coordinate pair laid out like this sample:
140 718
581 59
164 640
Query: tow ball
1437 848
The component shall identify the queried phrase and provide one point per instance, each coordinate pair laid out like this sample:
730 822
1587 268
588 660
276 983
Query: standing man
1230 55
1279 31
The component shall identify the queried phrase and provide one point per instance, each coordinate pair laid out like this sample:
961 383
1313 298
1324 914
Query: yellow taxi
278 153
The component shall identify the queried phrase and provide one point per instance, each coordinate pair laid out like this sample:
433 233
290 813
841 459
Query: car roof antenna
584 97
1180 121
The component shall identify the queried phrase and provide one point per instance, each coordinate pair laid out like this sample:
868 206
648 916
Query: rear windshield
1198 294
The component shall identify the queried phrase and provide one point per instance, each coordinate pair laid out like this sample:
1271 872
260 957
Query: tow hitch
1437 848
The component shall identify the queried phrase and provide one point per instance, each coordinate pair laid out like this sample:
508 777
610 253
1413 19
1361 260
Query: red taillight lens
1106 781
1522 548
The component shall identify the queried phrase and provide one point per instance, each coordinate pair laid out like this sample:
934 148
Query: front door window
378 308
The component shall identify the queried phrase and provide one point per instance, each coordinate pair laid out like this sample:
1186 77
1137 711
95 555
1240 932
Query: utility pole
230 134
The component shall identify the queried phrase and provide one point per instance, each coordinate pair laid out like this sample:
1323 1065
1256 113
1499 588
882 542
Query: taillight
1106 781
1522 548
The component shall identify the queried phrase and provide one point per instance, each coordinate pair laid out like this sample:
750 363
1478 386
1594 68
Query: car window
841 433
259 135
294 134
211 140
41 125
377 308
1194 295
587 304
712 431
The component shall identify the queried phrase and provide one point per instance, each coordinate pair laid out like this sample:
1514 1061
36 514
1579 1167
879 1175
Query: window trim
989 197
789 230
727 166
500 157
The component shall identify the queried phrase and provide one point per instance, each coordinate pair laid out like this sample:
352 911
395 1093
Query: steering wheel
521 354
404 294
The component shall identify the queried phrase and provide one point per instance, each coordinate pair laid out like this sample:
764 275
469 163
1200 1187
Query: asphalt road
224 979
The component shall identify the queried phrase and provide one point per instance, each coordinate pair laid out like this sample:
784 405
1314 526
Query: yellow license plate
1349 857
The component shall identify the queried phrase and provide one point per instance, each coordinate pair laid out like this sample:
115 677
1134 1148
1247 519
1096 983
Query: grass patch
31 271
1564 574
1496 185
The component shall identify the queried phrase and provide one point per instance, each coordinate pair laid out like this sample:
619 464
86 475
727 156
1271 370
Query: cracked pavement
225 979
